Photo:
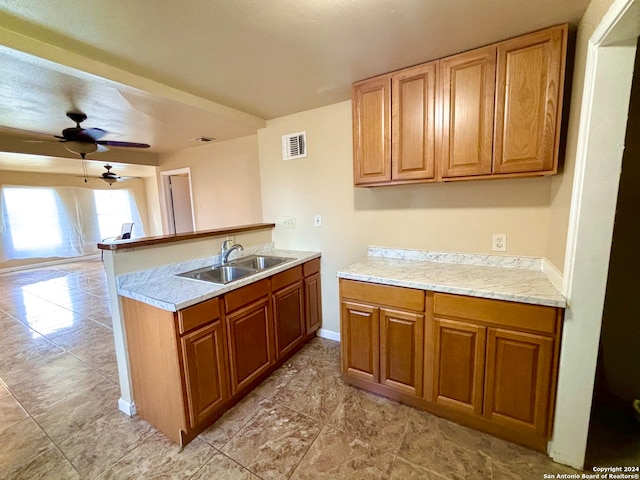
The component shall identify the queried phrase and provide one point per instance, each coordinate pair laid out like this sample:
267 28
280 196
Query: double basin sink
234 270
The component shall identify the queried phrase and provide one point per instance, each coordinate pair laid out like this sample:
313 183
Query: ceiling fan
84 141
108 176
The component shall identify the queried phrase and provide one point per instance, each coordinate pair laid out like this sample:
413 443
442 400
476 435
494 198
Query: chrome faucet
227 248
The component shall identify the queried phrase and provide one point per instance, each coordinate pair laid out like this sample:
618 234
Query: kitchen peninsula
474 338
195 348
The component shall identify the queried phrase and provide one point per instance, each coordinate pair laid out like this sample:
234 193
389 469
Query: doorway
178 201
610 60
614 434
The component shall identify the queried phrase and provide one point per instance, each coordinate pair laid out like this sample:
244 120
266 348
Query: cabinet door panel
205 369
459 365
468 86
313 302
530 77
401 350
288 314
518 379
250 343
360 341
372 131
413 123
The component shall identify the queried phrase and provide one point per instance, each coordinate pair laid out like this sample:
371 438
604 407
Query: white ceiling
166 72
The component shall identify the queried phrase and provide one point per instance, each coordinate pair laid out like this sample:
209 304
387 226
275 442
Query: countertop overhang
514 279
179 237
160 287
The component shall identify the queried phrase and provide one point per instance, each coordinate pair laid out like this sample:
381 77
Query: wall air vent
294 146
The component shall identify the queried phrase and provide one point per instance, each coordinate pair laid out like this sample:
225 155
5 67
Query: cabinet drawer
398 297
285 278
245 295
523 316
311 267
198 315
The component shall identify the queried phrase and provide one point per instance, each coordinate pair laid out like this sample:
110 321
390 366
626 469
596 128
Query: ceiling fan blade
102 148
113 143
95 133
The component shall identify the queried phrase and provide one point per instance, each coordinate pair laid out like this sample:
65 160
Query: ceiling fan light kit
80 148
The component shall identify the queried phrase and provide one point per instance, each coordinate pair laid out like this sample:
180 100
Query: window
31 212
114 207
50 222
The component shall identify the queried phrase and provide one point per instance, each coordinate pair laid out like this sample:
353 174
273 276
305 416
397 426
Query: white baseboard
50 263
331 335
128 408
554 276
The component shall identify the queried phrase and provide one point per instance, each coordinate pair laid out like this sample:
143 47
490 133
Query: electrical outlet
317 220
499 242
289 222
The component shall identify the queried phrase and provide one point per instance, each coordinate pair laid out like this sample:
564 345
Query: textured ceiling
166 72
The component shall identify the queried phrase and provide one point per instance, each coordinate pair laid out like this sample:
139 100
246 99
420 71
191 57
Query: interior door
182 210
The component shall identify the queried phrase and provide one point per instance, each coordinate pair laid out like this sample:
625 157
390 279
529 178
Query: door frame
168 222
603 121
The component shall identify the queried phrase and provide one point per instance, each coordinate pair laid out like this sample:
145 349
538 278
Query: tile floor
59 416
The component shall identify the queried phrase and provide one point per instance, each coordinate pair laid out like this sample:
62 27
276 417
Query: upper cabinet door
372 131
413 123
468 87
530 79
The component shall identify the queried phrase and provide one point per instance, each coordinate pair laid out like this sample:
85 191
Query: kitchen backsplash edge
504 261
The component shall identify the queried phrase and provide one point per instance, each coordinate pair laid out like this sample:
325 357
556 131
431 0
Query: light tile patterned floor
59 416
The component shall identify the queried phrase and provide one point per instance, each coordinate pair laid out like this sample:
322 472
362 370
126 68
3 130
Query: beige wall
225 180
458 217
561 185
137 186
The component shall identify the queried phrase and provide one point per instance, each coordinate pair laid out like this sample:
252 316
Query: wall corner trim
128 408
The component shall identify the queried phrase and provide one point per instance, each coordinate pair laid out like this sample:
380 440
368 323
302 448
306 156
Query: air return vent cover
294 146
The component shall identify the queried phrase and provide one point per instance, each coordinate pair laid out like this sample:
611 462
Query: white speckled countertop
518 279
161 288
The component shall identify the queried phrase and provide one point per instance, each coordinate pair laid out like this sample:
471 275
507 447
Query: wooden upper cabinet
529 87
468 86
493 111
413 123
372 131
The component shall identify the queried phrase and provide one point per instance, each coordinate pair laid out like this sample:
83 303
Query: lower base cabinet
189 367
488 364
519 373
204 357
383 344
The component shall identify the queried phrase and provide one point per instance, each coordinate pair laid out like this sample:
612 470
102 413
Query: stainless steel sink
218 273
260 262
234 270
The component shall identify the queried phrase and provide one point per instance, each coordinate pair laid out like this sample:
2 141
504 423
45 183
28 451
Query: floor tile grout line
293 470
120 459
44 432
